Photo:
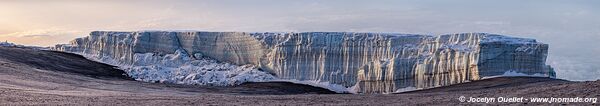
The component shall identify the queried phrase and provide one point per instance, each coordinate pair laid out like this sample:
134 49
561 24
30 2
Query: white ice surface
507 39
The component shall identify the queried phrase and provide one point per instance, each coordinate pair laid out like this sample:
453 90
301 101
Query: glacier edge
360 62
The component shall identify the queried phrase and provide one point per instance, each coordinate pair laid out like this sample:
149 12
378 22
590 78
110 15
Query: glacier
349 62
7 44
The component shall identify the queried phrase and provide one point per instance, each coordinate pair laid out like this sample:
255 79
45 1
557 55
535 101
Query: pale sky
571 27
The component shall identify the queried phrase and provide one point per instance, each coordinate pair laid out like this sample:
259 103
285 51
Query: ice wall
367 62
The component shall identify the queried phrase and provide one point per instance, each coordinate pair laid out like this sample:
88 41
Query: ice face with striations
365 62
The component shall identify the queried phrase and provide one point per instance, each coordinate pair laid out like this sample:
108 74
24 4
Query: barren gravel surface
38 77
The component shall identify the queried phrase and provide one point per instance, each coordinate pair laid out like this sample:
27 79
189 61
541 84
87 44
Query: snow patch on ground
332 87
516 74
407 89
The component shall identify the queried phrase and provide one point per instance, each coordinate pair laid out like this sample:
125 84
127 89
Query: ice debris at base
365 62
179 68
329 86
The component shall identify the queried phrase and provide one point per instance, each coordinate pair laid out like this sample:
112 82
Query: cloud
575 69
27 36
41 33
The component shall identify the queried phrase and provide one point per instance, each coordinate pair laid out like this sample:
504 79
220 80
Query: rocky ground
38 77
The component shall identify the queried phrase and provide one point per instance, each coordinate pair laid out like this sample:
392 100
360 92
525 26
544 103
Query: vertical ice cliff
366 62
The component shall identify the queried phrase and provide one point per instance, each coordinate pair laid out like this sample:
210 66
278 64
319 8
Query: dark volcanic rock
60 61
